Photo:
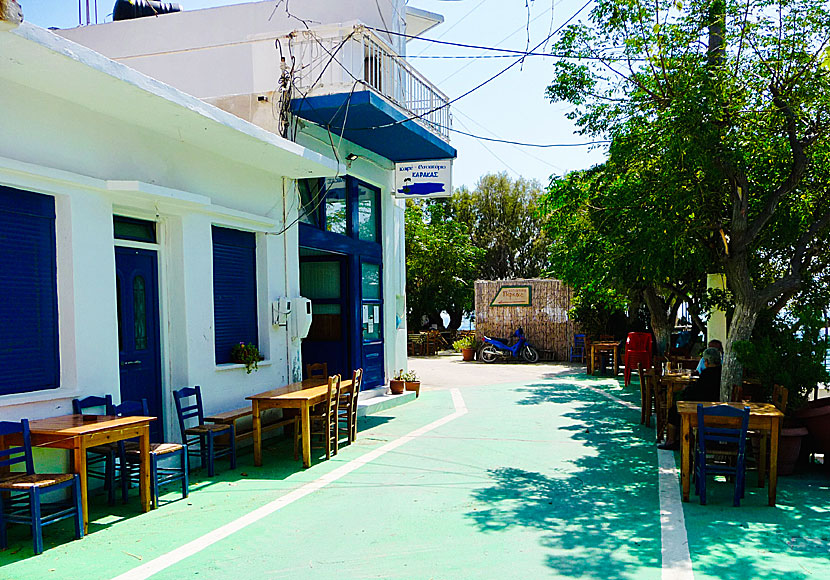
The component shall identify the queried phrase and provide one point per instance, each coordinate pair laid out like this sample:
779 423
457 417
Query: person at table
712 344
705 388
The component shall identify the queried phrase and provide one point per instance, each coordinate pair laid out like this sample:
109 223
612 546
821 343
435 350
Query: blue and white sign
417 179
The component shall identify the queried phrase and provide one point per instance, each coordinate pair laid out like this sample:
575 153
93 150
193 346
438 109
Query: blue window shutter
234 290
29 354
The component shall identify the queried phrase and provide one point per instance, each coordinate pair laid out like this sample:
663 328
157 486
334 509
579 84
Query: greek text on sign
512 296
417 179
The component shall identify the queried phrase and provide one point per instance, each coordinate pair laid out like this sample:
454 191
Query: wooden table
668 385
302 396
596 348
79 432
762 417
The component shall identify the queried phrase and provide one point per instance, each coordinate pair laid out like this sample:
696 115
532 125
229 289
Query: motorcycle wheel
488 353
530 354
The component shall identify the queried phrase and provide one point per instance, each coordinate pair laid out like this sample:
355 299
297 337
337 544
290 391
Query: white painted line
612 397
162 562
677 563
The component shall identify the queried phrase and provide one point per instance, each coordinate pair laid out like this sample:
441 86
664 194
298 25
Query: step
375 400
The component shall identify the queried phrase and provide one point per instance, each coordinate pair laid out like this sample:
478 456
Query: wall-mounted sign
417 179
512 296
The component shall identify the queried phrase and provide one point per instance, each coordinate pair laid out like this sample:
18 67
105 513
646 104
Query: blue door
139 343
371 314
324 281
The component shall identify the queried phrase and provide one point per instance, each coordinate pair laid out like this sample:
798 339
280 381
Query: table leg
79 457
762 459
685 456
144 468
589 367
257 428
773 459
306 427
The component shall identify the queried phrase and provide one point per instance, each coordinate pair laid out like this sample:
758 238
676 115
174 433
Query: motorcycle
495 348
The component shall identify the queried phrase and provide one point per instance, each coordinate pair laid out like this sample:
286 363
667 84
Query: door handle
130 362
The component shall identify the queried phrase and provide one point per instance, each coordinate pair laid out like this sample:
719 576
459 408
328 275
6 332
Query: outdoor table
79 432
667 386
302 396
762 417
596 348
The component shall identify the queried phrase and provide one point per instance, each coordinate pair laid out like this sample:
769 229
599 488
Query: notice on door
512 296
418 179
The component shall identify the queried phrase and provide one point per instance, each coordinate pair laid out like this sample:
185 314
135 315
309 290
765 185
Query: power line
521 144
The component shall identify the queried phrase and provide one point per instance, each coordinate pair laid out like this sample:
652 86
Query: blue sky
511 107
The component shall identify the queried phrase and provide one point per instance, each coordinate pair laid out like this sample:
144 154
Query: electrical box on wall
301 317
281 311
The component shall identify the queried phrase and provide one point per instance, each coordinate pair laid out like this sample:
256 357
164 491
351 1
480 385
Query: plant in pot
786 350
248 355
405 380
466 344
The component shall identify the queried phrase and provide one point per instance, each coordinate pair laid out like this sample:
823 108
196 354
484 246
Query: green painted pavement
541 479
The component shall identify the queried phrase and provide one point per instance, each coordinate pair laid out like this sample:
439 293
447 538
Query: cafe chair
637 351
101 459
21 492
721 450
317 371
204 435
347 408
129 455
647 397
578 349
324 419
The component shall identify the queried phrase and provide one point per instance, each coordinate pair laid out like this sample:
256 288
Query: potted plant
405 380
466 344
248 355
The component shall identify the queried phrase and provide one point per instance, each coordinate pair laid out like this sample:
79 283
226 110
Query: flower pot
789 446
413 386
468 354
396 387
816 417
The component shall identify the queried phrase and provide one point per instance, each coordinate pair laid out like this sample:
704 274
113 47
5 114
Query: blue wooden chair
721 447
578 348
100 458
21 492
130 457
202 434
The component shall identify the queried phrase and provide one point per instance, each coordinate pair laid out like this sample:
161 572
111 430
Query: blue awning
375 124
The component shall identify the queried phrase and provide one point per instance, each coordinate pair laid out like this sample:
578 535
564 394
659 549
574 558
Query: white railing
336 60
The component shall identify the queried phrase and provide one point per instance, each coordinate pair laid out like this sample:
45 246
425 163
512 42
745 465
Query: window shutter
29 354
234 290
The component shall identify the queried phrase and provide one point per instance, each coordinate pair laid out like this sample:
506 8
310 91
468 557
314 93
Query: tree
503 219
441 264
731 100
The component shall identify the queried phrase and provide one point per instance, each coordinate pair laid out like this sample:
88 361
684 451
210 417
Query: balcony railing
335 60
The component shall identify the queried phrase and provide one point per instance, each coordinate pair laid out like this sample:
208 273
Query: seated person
705 388
712 344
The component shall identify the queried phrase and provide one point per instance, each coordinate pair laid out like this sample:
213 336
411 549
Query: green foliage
248 355
464 342
787 350
407 376
593 309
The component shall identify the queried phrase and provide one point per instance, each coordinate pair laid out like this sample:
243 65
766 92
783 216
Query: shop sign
419 179
512 296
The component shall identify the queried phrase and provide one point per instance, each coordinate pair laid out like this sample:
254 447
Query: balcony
351 81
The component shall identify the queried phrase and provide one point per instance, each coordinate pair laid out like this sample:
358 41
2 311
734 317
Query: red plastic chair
637 351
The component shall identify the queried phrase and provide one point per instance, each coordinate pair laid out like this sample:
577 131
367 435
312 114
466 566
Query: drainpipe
288 375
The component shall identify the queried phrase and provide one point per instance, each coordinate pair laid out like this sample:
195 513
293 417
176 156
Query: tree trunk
743 321
660 323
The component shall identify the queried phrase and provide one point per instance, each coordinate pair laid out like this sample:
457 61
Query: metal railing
335 60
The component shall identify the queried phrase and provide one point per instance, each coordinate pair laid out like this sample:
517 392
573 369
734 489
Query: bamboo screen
545 321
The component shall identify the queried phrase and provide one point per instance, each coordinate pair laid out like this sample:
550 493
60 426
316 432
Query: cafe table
301 395
668 385
595 348
762 417
77 433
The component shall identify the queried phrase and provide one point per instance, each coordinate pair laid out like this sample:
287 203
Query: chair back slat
333 396
131 409
187 411
92 402
317 370
779 397
20 453
721 434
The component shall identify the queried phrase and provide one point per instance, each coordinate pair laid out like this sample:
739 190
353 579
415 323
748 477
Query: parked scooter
495 348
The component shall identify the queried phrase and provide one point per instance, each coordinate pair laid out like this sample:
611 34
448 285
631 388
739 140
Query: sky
512 107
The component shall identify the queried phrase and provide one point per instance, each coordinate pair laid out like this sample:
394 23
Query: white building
146 229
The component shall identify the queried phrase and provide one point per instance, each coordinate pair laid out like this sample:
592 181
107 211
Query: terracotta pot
413 386
816 417
396 387
468 354
789 446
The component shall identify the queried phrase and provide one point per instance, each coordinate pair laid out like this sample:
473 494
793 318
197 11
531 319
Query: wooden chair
578 349
324 419
21 493
347 409
317 370
780 395
100 458
130 457
202 435
715 442
646 397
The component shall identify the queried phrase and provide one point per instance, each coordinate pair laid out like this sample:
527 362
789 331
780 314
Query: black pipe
129 9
